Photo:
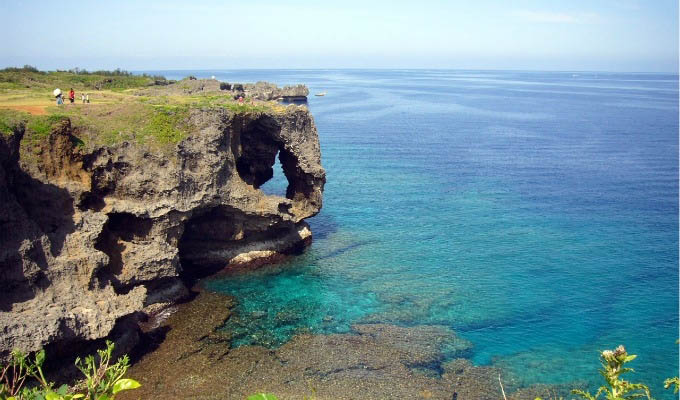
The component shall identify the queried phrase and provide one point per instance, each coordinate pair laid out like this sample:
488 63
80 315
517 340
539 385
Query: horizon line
133 70
409 69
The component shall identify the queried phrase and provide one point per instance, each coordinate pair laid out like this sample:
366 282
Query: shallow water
534 213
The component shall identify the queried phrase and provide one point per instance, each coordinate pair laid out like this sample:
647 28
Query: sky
565 35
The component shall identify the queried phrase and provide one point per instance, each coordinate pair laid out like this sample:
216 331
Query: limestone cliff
90 238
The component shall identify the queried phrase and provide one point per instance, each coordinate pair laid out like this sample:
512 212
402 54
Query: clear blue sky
610 35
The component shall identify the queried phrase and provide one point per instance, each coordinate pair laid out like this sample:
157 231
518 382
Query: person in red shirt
72 95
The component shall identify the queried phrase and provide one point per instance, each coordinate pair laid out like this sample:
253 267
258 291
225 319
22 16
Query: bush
115 72
103 380
25 68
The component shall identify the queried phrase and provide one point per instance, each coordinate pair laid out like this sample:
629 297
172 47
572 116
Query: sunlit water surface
534 213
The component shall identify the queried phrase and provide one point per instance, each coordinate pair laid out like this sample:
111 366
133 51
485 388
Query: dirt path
35 110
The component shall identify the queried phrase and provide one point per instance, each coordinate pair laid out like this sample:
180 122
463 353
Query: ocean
535 213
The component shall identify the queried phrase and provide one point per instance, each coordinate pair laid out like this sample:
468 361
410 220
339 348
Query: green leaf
584 394
262 396
62 390
630 358
125 384
40 357
78 396
52 396
103 397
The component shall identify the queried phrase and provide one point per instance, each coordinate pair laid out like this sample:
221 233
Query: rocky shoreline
189 355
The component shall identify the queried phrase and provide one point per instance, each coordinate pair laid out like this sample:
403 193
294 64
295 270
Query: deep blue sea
535 213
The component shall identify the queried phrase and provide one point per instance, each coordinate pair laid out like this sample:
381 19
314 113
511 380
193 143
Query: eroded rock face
91 238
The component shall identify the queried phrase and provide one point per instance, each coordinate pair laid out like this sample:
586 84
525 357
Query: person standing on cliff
72 96
57 95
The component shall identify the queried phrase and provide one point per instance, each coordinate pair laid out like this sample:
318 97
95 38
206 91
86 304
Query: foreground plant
14 374
613 362
103 380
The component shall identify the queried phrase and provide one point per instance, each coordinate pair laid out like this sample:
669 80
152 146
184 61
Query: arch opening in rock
262 154
257 155
278 184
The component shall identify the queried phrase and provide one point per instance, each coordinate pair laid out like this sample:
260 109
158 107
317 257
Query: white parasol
56 92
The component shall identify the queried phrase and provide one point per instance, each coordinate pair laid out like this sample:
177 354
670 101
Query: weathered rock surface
268 91
90 238
260 90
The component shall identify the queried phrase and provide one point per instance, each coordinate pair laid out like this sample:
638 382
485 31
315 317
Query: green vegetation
105 125
124 107
613 362
613 366
30 77
254 108
262 396
41 126
167 124
10 120
25 68
103 380
152 125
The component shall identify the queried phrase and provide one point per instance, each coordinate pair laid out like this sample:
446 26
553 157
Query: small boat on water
320 94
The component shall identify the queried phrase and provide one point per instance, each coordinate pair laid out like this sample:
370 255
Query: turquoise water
534 213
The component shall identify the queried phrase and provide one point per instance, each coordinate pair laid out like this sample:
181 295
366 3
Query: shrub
103 380
25 68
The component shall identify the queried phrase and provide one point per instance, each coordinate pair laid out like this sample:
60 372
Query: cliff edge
94 236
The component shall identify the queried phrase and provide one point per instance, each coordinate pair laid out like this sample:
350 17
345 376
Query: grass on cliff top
108 124
156 127
116 113
9 119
